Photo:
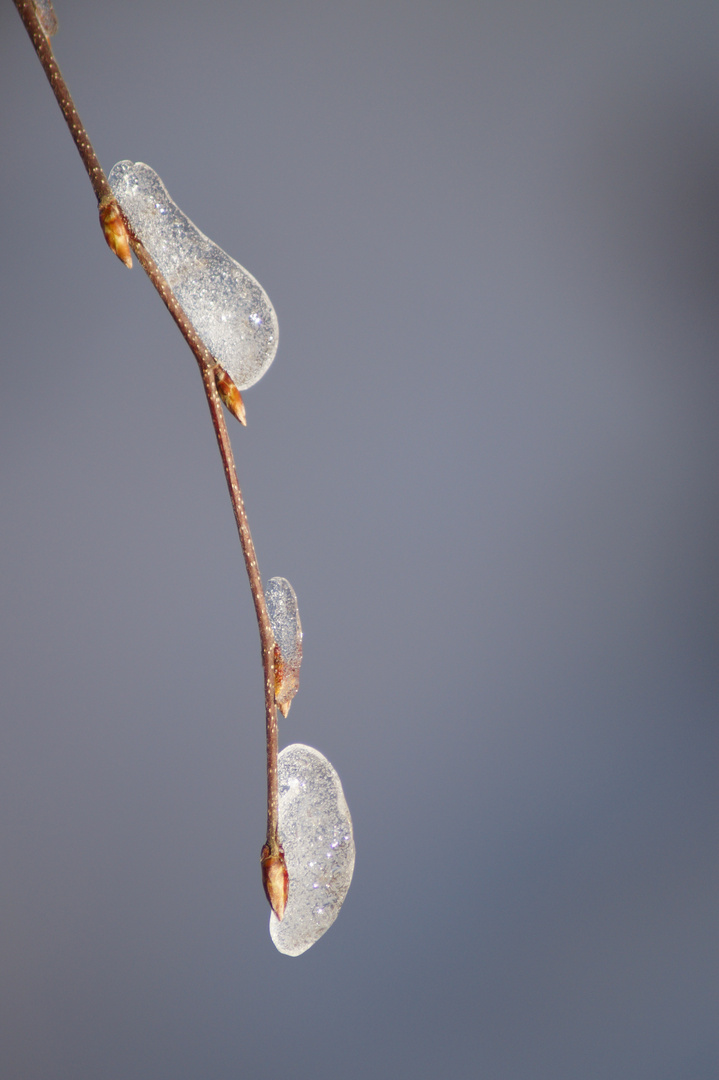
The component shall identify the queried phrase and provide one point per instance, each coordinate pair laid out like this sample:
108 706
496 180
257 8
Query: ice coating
287 628
46 14
230 311
316 833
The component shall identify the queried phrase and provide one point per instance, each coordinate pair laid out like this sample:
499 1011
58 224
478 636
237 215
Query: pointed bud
230 395
286 683
275 879
114 229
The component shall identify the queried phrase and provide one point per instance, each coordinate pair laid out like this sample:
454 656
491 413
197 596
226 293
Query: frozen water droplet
46 14
230 311
287 628
316 834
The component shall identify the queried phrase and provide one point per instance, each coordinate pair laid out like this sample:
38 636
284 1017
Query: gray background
486 458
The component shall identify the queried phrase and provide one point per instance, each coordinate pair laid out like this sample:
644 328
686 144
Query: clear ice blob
230 311
46 15
287 628
316 834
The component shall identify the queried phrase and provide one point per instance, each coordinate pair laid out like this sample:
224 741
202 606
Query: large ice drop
316 833
287 628
230 311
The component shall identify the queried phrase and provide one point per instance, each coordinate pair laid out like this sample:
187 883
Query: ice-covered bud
287 629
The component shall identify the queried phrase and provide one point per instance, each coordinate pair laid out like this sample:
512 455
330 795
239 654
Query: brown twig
208 368
267 639
80 137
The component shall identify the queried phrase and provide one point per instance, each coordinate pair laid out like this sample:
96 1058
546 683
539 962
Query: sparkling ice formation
46 14
287 628
230 311
316 833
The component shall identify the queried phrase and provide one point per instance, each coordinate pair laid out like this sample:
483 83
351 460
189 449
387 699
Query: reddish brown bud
287 681
114 229
230 395
275 879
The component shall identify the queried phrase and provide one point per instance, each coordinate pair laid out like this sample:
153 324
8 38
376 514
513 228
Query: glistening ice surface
287 628
316 833
230 311
46 14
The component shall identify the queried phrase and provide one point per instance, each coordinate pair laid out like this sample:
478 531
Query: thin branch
208 368
267 639
80 137
98 179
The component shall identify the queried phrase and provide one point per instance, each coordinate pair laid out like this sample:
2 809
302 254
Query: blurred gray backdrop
486 456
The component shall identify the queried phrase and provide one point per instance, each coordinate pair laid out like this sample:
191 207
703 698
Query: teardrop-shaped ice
287 628
230 311
316 834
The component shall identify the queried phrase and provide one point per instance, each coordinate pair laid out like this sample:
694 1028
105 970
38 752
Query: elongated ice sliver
46 14
228 308
287 628
316 834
